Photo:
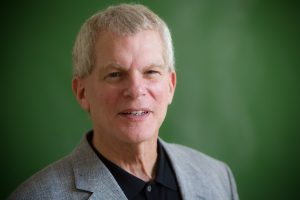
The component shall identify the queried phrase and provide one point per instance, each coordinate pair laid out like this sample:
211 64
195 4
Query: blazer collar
91 174
190 179
89 170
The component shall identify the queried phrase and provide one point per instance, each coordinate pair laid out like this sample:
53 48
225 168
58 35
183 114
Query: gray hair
124 20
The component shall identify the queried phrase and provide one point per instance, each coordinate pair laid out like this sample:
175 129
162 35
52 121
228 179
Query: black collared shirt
164 186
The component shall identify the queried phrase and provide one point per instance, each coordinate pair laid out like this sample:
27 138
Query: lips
135 113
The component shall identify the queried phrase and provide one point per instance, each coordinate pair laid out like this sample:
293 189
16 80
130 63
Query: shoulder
200 170
46 182
192 156
58 180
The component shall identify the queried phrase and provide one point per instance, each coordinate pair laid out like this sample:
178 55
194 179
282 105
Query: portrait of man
124 77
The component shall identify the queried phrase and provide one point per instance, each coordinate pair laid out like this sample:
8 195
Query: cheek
101 99
161 93
109 99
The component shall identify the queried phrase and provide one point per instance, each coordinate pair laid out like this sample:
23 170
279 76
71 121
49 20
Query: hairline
83 66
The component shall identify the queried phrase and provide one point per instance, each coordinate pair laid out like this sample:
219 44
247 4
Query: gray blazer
82 175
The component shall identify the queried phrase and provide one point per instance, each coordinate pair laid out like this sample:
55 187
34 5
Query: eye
152 72
114 75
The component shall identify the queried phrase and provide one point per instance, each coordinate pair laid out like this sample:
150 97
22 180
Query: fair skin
127 95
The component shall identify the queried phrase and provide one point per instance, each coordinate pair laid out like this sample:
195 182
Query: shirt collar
165 174
130 184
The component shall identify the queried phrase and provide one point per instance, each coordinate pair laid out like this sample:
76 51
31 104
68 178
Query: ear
172 85
79 90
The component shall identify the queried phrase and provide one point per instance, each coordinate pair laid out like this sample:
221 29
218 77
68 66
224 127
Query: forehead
141 49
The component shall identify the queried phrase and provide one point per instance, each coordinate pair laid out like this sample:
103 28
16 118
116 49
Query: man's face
129 89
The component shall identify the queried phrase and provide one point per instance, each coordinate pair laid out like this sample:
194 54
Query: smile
135 113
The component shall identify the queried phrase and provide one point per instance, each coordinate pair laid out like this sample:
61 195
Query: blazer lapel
191 185
91 174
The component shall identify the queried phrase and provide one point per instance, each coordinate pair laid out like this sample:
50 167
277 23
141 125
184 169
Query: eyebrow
154 65
121 67
113 65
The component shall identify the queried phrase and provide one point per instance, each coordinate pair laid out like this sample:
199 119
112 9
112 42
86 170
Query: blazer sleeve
234 193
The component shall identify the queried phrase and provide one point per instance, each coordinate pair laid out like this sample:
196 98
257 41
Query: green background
237 97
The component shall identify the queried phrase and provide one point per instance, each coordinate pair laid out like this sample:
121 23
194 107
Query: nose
134 86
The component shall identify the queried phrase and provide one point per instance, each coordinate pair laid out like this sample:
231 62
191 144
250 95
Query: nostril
134 92
134 86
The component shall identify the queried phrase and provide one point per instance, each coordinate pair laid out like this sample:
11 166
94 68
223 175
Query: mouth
135 114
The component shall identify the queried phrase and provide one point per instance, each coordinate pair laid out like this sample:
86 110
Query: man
124 77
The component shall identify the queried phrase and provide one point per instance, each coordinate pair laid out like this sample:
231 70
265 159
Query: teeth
136 113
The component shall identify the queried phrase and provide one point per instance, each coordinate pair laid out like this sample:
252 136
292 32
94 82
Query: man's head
123 20
128 81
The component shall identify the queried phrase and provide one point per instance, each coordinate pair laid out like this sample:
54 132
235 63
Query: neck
138 159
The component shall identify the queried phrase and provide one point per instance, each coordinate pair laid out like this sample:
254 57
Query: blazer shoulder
195 167
47 182
193 156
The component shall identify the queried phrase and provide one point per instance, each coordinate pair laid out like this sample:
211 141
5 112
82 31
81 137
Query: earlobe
79 91
172 85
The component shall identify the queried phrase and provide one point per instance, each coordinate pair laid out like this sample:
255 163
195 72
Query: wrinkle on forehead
127 51
125 68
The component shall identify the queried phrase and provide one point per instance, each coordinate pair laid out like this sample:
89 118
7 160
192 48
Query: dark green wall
237 96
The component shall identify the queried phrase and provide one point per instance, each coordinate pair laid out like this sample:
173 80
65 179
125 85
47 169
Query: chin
136 137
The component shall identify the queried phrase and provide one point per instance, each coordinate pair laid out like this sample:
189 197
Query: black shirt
164 186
